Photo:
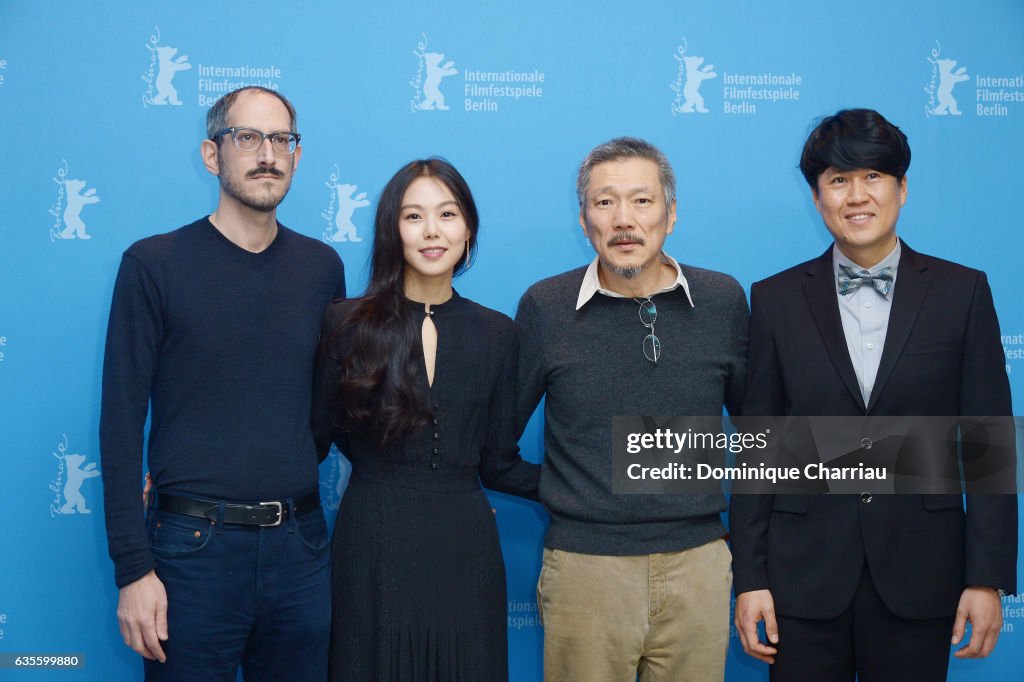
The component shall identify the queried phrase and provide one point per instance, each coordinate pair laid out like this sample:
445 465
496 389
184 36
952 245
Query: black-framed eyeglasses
250 139
648 316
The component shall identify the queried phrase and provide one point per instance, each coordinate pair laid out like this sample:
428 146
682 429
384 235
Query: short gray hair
217 116
626 148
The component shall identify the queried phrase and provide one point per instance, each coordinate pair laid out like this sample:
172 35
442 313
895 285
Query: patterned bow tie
850 280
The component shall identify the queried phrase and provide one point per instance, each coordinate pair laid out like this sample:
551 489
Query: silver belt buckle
280 514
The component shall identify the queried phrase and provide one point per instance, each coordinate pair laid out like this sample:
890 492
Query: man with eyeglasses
212 331
630 584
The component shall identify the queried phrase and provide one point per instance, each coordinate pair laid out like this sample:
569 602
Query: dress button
434 465
435 451
865 443
436 435
865 498
435 422
431 313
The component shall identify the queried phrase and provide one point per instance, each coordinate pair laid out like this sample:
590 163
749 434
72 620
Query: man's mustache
626 237
265 171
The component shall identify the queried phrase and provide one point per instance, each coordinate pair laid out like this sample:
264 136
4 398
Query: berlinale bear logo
333 483
435 72
67 487
688 98
948 78
72 197
73 225
165 90
163 65
348 202
940 88
428 91
73 498
342 206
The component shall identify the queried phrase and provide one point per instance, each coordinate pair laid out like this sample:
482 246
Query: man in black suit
862 584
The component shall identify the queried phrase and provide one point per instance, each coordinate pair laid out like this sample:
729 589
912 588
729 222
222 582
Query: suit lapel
820 290
912 281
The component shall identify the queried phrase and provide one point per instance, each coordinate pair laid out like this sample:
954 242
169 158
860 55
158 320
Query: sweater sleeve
339 292
134 334
501 466
325 386
530 373
736 381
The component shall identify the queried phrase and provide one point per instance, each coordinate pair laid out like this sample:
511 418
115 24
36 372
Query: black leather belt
259 514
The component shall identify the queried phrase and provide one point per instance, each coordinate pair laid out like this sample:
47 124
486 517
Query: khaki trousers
610 618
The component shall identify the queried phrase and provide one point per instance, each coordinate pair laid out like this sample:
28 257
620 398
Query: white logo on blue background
72 472
72 197
345 199
332 486
742 93
428 89
164 63
690 73
945 76
1013 349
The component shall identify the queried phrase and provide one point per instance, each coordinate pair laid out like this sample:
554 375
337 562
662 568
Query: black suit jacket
942 357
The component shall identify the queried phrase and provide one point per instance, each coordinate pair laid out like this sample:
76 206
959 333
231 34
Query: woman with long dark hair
415 384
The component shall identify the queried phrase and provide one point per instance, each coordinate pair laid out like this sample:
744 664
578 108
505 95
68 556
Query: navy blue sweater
220 343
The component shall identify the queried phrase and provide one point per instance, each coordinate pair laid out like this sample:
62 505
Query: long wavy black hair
378 389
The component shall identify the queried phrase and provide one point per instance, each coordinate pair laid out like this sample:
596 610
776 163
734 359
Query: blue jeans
244 596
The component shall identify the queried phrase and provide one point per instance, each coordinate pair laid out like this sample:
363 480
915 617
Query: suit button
434 465
865 498
435 451
865 443
436 435
435 422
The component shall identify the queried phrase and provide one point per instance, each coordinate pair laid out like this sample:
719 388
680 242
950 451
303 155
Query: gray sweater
590 366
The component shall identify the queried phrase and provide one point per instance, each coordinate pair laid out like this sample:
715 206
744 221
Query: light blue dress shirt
865 317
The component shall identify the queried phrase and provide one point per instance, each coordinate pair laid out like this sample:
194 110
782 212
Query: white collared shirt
865 317
592 283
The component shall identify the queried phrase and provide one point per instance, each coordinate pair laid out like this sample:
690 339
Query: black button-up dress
418 577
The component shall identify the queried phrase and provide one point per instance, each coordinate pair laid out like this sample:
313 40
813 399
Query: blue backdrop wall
102 108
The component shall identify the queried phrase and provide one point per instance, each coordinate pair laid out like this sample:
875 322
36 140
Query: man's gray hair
217 116
626 148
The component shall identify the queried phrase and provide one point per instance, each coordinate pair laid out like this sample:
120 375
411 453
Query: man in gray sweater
630 584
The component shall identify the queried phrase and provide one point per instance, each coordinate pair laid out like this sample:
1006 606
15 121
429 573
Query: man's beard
624 271
264 202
